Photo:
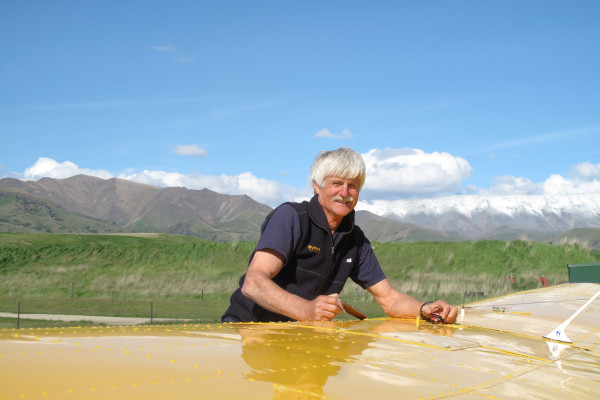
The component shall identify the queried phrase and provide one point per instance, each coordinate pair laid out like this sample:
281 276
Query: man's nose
344 190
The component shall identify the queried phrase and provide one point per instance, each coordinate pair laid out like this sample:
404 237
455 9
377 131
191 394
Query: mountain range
88 204
133 207
476 217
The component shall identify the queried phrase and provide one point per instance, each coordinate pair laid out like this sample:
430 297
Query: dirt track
97 319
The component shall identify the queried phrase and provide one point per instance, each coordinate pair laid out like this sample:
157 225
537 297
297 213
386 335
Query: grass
449 269
185 277
118 266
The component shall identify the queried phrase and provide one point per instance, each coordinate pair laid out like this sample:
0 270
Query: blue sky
441 97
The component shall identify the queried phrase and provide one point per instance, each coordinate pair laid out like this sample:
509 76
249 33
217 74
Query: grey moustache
339 199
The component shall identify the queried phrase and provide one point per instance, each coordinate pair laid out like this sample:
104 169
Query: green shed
584 272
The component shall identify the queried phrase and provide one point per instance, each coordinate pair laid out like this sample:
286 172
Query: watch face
435 319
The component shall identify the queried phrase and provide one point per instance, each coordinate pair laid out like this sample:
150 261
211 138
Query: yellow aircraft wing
497 350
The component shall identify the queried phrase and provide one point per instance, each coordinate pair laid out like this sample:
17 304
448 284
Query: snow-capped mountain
474 216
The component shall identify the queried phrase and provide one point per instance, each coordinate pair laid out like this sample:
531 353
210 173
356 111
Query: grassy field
184 277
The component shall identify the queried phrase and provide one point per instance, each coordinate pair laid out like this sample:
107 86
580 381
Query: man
308 250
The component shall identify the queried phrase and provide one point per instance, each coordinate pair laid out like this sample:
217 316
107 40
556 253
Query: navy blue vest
318 265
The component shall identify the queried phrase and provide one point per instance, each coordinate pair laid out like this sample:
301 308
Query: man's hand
259 287
323 308
443 309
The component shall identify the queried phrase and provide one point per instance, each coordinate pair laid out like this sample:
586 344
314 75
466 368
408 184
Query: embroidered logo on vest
314 249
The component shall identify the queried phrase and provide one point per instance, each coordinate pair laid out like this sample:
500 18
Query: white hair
342 163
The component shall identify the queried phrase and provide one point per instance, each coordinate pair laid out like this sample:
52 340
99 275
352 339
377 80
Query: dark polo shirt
315 261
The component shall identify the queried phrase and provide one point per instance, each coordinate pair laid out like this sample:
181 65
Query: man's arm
260 288
400 305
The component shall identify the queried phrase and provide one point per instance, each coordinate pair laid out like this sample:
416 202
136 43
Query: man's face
338 196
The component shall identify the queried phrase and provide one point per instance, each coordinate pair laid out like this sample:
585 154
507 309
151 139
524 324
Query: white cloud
586 171
175 54
326 133
391 173
401 172
47 167
262 190
556 184
190 150
583 178
508 185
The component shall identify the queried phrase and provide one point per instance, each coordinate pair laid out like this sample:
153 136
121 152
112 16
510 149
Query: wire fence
207 310
69 301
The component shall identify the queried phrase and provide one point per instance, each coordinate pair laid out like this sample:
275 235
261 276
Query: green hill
23 212
89 204
109 273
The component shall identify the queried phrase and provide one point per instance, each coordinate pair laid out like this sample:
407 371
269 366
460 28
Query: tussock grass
449 269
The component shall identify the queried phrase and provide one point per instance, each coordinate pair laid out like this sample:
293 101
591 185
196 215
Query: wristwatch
433 317
421 310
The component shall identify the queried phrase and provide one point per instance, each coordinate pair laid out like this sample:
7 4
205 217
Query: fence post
151 312
19 315
71 290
